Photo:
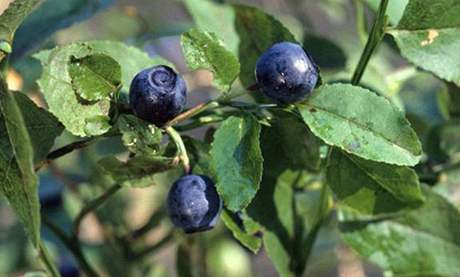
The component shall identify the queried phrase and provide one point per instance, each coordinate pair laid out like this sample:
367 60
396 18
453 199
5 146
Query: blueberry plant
300 144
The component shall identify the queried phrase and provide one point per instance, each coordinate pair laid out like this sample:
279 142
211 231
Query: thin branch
93 205
72 245
150 249
181 150
191 112
65 150
375 36
153 221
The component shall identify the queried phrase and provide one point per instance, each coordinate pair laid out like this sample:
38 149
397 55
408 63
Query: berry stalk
181 150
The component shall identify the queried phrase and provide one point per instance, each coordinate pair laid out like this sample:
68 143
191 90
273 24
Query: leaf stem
91 206
72 245
153 221
65 150
46 259
152 248
192 112
375 36
181 150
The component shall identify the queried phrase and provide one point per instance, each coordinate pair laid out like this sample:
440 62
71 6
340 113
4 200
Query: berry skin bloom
285 73
157 94
193 203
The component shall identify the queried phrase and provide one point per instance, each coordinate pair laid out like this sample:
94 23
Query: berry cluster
285 73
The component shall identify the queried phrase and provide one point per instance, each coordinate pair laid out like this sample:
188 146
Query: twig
191 112
153 221
64 151
72 245
150 249
91 206
375 36
181 150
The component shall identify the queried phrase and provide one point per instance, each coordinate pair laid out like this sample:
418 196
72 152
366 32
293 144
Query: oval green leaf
372 188
428 35
204 50
95 77
19 182
362 123
422 242
237 161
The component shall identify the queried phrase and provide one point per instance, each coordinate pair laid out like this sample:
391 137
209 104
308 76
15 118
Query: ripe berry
68 268
286 73
193 203
157 94
50 193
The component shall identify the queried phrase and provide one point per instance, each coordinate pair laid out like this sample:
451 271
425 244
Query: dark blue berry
68 268
157 94
50 193
286 73
193 203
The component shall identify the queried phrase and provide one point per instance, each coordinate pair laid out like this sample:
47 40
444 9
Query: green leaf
37 120
205 50
287 218
250 241
200 159
437 14
362 123
429 36
237 161
247 31
95 76
258 31
272 209
139 136
290 141
49 17
131 59
216 18
138 171
372 188
422 242
434 50
61 97
80 117
19 182
12 17
97 125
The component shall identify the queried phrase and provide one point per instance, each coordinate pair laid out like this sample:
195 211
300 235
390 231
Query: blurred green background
155 26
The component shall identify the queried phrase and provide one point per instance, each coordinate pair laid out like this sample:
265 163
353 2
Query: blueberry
68 268
157 94
50 193
193 203
286 73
